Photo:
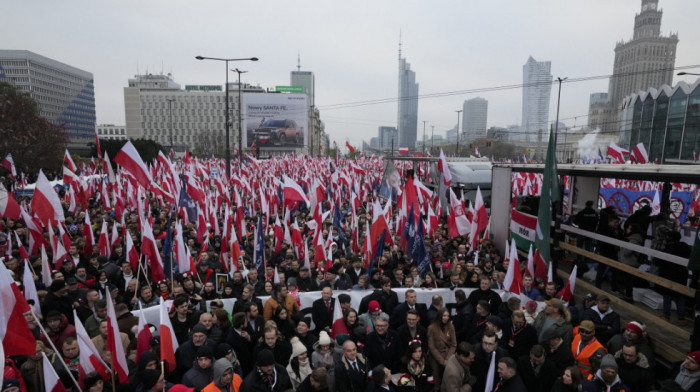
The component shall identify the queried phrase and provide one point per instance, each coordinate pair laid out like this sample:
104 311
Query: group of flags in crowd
203 194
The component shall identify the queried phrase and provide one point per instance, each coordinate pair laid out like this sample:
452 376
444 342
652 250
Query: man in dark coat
383 346
240 340
558 353
537 374
482 360
411 330
351 371
322 310
58 300
519 336
509 380
186 354
634 369
201 373
398 316
485 293
267 376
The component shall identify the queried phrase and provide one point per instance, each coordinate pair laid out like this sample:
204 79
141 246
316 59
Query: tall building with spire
647 60
408 104
537 86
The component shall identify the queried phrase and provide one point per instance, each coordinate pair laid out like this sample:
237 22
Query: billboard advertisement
275 121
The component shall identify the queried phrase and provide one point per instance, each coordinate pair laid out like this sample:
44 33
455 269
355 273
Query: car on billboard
279 132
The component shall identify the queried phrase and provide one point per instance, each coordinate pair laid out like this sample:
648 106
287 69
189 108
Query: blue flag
342 238
419 252
187 203
169 268
378 253
259 252
409 230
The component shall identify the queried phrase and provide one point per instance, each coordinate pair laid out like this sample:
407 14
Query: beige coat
442 343
456 378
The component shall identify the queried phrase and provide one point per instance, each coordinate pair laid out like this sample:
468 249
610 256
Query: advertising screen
275 120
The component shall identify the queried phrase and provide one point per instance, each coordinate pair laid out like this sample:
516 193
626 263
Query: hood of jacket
220 366
642 360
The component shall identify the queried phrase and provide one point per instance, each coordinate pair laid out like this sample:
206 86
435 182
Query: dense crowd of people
387 341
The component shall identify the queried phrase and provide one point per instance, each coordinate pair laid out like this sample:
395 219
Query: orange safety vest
583 358
235 385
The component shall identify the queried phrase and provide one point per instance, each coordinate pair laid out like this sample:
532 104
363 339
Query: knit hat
265 358
324 339
148 378
57 285
53 315
341 338
587 325
608 362
695 356
373 306
298 347
199 328
9 383
223 349
205 352
531 306
635 327
180 388
90 379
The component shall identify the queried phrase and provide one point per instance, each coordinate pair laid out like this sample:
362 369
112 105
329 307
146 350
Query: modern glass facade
666 120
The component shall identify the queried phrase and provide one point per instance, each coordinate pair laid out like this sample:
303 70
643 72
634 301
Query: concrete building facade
64 94
537 87
111 132
474 116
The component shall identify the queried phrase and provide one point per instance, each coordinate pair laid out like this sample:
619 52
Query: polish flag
132 256
115 236
64 237
617 153
29 286
540 267
235 252
45 268
8 205
69 162
278 233
88 234
181 253
639 154
130 160
114 342
567 292
530 268
9 164
460 217
293 193
103 242
70 178
71 195
51 381
90 359
338 325
150 250
297 241
320 251
480 219
168 341
442 168
143 335
97 145
349 146
45 203
59 251
16 337
514 280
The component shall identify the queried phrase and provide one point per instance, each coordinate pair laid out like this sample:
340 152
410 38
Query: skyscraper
537 86
647 60
474 115
408 104
65 94
388 138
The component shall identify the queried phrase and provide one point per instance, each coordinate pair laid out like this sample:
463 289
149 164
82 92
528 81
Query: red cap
695 356
446 265
373 306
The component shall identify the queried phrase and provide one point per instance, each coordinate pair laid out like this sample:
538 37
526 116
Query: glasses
585 331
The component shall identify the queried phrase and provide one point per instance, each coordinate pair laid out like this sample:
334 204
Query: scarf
415 368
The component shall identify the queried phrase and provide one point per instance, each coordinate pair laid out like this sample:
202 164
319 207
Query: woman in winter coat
299 366
570 381
442 341
416 365
323 352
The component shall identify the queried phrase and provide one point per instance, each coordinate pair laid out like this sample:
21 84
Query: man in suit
398 316
322 310
255 322
351 370
537 373
411 330
356 270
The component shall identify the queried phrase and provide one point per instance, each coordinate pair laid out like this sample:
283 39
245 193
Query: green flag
694 260
548 196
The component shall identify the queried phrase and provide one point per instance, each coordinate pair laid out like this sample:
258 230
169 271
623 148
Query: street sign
289 89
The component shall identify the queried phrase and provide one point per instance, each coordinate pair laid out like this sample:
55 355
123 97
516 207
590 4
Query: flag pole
138 280
162 371
172 280
65 365
114 386
145 275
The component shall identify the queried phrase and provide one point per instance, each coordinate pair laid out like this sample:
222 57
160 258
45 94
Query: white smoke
588 146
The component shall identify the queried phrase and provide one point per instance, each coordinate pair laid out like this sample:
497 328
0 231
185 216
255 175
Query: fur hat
298 347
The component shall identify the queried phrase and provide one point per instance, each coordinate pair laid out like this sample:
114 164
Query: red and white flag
150 250
442 168
16 337
460 216
90 359
69 162
132 256
514 280
639 154
480 219
29 286
114 342
8 205
181 253
168 341
103 241
567 292
530 268
45 202
129 159
349 146
617 153
9 164
51 381
293 193
143 335
88 234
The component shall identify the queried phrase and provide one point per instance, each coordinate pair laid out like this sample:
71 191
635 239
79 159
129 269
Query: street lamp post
458 113
240 127
432 138
424 137
228 143
170 110
556 125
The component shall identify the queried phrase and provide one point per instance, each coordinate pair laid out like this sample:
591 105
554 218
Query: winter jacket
628 256
442 343
638 376
219 367
456 377
254 381
601 386
607 324
64 331
197 377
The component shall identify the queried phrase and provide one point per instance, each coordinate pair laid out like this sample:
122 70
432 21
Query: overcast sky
352 48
